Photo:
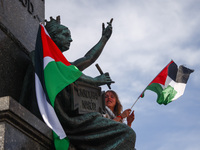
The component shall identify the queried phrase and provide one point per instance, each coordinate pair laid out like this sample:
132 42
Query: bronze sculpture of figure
88 131
61 35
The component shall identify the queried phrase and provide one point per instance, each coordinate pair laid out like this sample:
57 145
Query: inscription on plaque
88 105
87 98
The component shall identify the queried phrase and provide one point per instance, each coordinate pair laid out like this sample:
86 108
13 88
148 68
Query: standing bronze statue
88 131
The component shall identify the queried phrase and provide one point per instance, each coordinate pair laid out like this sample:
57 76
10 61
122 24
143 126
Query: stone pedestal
21 130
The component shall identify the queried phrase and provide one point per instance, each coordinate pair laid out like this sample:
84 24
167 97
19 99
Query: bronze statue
61 35
88 131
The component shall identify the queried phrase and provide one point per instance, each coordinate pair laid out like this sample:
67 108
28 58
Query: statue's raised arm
61 35
92 55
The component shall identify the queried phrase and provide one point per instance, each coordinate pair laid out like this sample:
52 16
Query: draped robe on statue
91 131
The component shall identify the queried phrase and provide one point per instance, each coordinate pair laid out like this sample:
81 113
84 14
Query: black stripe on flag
39 61
172 71
183 74
39 57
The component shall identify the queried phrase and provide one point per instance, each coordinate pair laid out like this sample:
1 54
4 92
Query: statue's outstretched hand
103 79
106 32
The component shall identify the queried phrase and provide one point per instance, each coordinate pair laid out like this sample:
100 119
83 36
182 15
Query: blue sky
146 36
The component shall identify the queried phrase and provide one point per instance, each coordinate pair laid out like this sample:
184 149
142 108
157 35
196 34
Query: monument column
19 128
19 20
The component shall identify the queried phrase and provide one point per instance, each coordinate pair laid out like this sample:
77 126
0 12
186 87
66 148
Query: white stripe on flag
47 111
47 60
170 82
180 88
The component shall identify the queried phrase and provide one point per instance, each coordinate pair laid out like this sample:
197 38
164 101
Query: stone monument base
20 129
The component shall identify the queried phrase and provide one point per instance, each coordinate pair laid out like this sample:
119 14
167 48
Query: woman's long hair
118 106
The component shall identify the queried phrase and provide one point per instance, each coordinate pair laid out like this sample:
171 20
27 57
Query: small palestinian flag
52 74
170 83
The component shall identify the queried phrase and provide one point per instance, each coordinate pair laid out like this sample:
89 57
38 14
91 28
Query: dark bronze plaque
87 98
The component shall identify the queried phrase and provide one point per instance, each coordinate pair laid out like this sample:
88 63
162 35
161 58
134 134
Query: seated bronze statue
89 131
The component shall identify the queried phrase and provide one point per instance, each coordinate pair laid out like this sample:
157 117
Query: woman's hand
125 113
130 119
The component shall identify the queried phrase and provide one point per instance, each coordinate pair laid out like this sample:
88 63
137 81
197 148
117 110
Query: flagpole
140 96
135 102
148 85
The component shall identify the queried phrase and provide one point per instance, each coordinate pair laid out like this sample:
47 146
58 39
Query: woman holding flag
114 108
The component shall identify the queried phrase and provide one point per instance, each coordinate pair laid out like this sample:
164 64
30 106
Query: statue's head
60 34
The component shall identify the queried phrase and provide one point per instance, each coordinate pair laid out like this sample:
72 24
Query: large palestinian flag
52 74
170 83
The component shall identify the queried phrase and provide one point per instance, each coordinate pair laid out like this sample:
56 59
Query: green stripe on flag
157 88
165 96
57 76
60 144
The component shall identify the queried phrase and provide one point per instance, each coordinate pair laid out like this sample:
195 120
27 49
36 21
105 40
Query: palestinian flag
170 83
52 74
